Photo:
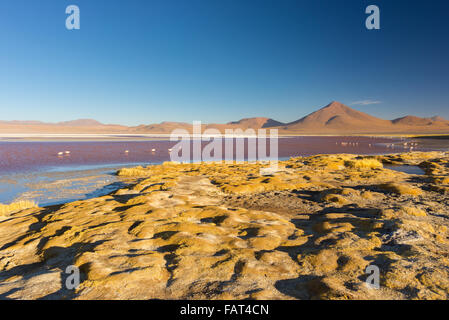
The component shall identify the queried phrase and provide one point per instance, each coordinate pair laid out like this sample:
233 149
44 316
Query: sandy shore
217 231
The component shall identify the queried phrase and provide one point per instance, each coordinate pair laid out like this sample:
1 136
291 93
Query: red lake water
57 171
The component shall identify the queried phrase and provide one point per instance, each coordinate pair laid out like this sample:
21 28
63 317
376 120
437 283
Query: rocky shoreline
224 231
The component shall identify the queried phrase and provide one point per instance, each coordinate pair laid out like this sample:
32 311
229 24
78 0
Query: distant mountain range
335 118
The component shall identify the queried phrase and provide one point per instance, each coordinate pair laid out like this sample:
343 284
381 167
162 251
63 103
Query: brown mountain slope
65 127
244 124
413 121
163 127
258 122
337 118
417 121
438 118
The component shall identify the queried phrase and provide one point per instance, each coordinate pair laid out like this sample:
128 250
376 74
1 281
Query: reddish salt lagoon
58 171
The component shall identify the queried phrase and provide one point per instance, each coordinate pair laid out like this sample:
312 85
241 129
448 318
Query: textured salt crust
192 232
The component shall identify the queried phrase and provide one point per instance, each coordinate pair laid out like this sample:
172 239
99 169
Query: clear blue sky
145 61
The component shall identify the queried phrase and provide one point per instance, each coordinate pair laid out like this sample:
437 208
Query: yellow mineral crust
226 231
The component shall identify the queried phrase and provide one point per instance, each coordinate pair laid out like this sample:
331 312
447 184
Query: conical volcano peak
336 116
335 105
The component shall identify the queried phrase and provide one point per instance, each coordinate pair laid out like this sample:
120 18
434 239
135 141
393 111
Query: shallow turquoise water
406 169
